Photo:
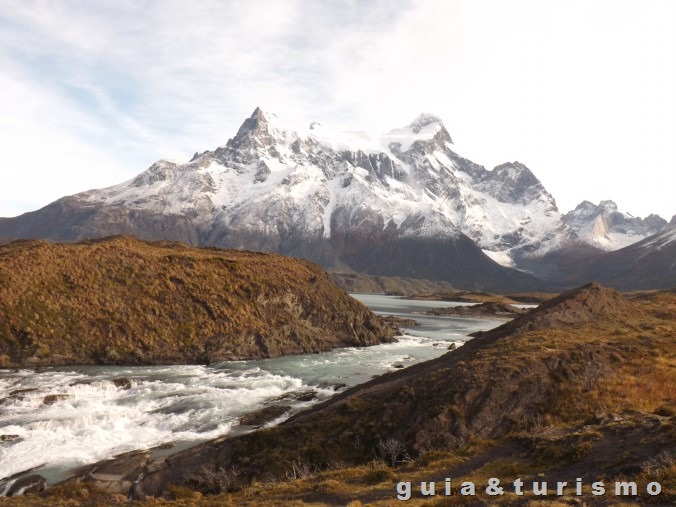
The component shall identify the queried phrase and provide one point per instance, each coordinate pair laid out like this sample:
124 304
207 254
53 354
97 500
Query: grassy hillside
124 301
582 387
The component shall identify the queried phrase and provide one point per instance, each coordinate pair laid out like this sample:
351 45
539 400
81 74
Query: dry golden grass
124 301
555 401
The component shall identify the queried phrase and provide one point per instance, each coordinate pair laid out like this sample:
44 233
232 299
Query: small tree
301 470
392 450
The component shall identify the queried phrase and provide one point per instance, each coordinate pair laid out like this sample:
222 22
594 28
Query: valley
573 388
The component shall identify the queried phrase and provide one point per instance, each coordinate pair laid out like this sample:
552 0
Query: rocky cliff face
604 226
124 301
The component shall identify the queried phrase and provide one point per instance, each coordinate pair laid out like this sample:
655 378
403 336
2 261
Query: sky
581 91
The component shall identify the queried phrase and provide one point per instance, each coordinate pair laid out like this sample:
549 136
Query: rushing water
62 418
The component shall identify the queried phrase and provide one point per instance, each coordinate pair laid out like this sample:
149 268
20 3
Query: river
62 418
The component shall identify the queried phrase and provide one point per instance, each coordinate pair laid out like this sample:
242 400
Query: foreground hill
124 301
582 387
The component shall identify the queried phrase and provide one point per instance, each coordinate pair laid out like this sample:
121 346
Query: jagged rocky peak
588 209
426 132
257 120
264 129
584 207
605 226
260 129
515 172
656 221
653 222
607 205
515 183
161 170
425 120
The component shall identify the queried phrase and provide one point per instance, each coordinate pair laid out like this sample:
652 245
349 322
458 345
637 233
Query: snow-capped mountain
607 228
273 179
402 204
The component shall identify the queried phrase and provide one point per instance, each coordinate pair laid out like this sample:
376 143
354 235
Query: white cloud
44 155
582 92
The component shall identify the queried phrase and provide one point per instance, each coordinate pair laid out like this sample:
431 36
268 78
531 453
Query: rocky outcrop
25 485
124 301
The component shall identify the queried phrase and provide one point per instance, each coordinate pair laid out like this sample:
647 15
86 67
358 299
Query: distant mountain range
647 264
607 228
402 204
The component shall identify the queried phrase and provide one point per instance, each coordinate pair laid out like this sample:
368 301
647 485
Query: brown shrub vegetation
124 301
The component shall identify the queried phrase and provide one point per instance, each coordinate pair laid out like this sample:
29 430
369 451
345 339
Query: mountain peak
268 117
252 123
609 207
608 204
258 112
424 120
514 182
585 205
425 127
604 226
514 169
263 126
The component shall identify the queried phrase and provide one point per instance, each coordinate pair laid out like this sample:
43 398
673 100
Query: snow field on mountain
272 176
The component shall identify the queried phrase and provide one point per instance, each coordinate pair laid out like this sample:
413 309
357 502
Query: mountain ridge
604 226
402 204
349 202
646 264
